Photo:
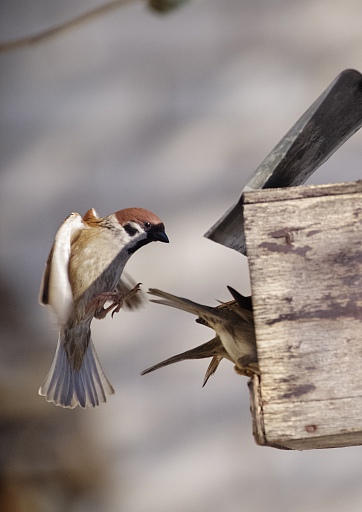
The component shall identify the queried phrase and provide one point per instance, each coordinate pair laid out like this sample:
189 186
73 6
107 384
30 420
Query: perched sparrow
82 273
234 325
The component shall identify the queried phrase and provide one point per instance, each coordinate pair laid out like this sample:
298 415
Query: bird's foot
247 372
117 299
246 365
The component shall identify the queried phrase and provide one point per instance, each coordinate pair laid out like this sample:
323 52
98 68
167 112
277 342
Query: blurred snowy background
170 113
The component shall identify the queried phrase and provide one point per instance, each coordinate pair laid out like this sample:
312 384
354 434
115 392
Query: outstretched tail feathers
66 387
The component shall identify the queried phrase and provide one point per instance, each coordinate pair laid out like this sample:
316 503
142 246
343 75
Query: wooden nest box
304 246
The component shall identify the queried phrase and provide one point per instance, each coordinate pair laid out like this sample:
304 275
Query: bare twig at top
63 27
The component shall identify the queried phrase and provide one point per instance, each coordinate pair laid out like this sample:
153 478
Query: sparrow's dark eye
130 229
147 225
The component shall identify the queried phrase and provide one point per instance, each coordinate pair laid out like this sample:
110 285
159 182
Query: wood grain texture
305 254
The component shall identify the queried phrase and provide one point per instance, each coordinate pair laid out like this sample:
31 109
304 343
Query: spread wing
55 289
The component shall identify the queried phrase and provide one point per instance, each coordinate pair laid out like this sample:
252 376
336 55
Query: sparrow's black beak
158 235
154 234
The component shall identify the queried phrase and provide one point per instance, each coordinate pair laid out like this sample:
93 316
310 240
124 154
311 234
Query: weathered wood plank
305 258
295 426
282 194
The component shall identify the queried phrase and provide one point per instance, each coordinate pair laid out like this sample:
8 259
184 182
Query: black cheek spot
130 229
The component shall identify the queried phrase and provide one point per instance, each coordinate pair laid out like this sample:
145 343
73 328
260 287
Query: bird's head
139 227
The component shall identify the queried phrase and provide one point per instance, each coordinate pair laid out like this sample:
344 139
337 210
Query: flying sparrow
234 325
82 273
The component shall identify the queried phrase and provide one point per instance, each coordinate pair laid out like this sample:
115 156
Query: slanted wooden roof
334 117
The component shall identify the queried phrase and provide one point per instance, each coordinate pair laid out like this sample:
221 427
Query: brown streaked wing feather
90 216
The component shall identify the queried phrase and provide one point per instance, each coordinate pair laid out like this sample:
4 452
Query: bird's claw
117 299
247 371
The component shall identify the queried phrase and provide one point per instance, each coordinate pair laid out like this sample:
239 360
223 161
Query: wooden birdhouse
304 247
